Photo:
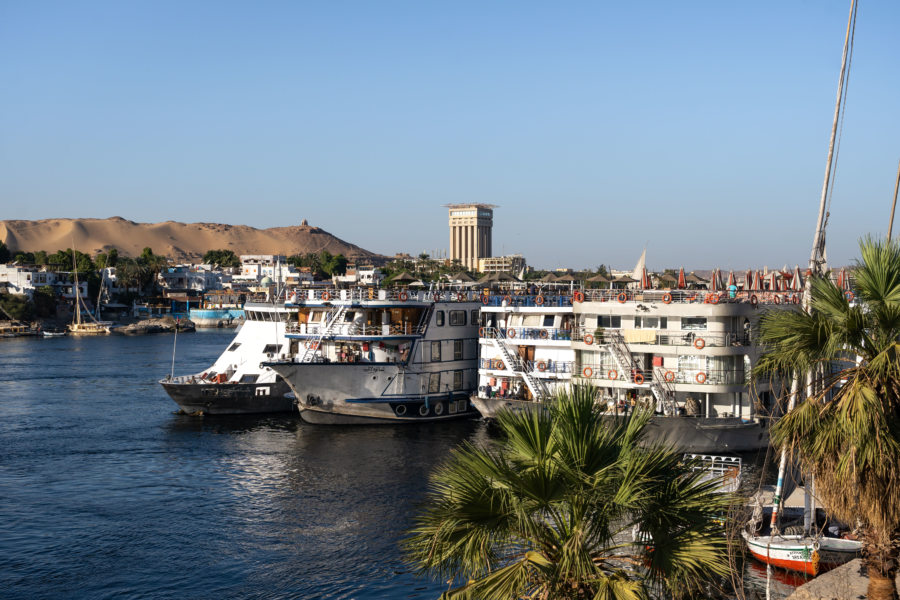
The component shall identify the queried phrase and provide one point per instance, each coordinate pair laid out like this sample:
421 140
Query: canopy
404 276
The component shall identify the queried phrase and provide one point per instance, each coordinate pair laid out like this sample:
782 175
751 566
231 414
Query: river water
105 492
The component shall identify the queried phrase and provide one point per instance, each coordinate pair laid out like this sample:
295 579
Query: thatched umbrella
666 279
488 278
548 278
625 280
404 276
463 277
598 278
566 278
694 278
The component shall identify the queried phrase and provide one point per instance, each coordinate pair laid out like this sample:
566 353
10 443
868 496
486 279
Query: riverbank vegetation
549 512
847 431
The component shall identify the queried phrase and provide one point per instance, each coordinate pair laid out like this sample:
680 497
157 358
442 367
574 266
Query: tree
16 306
543 514
4 253
847 432
223 258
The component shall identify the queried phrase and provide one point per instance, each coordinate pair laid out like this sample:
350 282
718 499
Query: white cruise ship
366 355
685 354
238 382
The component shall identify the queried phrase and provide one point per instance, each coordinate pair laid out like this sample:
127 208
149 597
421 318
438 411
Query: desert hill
179 241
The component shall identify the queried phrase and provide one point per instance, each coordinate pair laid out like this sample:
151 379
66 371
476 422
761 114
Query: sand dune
179 241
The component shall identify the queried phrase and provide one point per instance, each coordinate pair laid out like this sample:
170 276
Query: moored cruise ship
368 355
238 382
685 354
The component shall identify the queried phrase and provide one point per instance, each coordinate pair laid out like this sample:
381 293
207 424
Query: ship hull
368 394
802 554
230 398
685 434
216 317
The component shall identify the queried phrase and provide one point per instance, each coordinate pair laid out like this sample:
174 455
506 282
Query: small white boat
50 333
803 553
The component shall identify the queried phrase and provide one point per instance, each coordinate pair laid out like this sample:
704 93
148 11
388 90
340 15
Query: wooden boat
802 553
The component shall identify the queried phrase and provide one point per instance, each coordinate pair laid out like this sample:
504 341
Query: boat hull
802 554
216 317
368 394
230 398
685 434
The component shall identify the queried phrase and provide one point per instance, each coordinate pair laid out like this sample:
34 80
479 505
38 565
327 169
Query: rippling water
105 492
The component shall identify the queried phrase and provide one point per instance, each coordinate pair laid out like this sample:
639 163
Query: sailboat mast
817 256
77 294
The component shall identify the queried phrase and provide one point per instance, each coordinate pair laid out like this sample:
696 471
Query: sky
698 130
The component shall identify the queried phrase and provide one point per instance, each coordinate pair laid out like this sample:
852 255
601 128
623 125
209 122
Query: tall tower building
470 232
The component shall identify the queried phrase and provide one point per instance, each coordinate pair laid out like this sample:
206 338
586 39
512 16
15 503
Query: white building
366 275
16 279
191 278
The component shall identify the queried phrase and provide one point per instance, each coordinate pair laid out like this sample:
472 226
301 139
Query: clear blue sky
698 129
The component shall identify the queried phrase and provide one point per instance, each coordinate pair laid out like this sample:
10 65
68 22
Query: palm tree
549 511
847 431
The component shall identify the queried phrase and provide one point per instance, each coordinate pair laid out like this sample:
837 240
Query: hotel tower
470 232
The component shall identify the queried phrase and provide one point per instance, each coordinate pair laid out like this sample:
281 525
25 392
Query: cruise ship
368 356
237 382
686 355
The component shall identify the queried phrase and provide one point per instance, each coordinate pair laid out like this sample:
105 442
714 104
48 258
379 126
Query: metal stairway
663 390
622 355
512 362
312 347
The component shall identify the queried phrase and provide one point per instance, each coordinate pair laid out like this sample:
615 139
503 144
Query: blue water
106 493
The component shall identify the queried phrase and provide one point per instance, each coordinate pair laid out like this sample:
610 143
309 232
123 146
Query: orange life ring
588 372
461 297
588 339
699 343
713 298
667 298
578 296
669 376
612 374
542 366
508 299
485 299
402 296
510 333
539 300
754 301
795 299
481 332
436 297
622 297
543 334
849 296
639 378
326 296
701 377
777 299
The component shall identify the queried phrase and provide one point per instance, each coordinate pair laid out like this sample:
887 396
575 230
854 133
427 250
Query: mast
894 205
77 294
817 256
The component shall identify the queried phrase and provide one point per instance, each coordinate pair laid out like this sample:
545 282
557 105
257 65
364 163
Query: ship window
435 352
349 316
434 383
548 320
272 349
612 321
457 349
457 317
457 380
650 322
249 378
695 323
531 320
439 318
474 319
234 346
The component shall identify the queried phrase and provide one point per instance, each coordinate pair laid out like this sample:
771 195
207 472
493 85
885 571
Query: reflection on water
105 492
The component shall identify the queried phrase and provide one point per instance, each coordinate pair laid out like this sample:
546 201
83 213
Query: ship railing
752 297
608 371
371 294
535 367
515 334
358 330
697 339
549 300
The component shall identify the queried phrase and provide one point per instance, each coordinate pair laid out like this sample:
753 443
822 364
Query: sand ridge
179 241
